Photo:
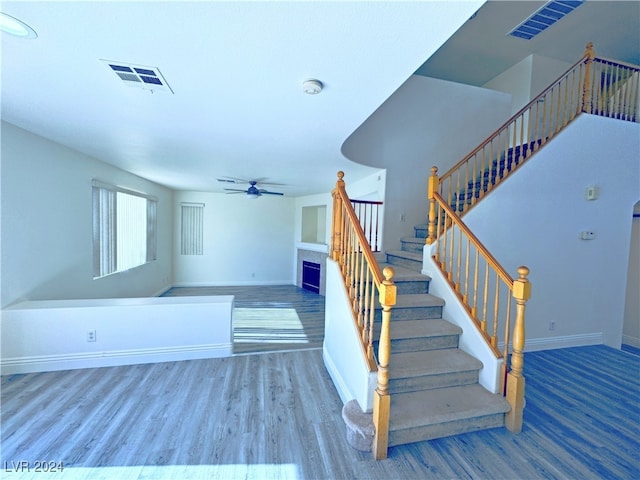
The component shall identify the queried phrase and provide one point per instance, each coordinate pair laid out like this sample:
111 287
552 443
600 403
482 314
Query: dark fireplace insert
311 276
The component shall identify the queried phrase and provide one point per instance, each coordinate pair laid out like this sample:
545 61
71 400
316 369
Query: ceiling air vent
543 18
140 76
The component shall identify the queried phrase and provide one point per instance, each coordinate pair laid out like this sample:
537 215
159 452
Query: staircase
433 384
425 386
490 176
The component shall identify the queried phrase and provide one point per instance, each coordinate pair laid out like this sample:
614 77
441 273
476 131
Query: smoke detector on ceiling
312 86
140 76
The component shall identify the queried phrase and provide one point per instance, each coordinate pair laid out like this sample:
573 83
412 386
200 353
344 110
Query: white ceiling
480 50
236 69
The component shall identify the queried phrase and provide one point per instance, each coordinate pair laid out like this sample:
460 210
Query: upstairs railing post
586 97
381 397
336 224
432 188
515 379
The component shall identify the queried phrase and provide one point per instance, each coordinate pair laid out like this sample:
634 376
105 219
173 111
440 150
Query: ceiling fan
253 191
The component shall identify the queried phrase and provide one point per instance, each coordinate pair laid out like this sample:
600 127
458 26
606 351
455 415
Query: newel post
589 54
432 188
336 223
381 397
515 379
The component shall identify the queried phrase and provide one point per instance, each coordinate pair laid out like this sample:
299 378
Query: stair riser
420 232
430 432
428 382
411 313
412 246
422 344
407 288
405 262
404 288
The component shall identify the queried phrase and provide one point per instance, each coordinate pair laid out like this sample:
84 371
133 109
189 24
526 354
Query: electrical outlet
402 217
587 235
552 325
91 336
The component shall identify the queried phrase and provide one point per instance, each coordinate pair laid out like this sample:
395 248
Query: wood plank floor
277 415
270 318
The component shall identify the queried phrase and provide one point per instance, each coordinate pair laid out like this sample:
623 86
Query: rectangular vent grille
543 18
148 78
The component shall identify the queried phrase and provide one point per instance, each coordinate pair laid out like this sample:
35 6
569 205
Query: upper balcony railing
592 85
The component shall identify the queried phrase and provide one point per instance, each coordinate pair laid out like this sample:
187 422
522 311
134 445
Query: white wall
631 328
535 219
371 187
246 241
47 250
528 78
52 334
419 126
342 350
516 81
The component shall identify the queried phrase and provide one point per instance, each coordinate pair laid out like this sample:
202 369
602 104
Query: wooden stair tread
431 362
442 405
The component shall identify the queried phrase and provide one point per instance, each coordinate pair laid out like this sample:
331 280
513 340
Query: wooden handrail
362 275
593 85
474 240
617 62
366 202
510 121
461 257
378 278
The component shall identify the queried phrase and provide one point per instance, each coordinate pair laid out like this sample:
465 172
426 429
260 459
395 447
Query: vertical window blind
124 229
191 228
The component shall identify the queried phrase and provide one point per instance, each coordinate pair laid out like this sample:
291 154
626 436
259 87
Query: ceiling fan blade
233 180
264 192
235 190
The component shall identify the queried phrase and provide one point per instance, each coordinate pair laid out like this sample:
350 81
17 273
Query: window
191 228
124 229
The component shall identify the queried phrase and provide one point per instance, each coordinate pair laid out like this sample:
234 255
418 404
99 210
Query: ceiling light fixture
15 27
312 86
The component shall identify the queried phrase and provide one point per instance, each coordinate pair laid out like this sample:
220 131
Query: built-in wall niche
314 224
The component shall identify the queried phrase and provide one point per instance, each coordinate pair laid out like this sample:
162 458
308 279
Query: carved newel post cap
522 286
388 273
340 175
434 170
523 272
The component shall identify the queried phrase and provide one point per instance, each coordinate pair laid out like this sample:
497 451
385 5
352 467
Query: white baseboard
334 373
629 340
550 343
113 358
233 284
163 290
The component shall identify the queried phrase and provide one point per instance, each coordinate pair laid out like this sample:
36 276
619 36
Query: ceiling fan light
252 195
